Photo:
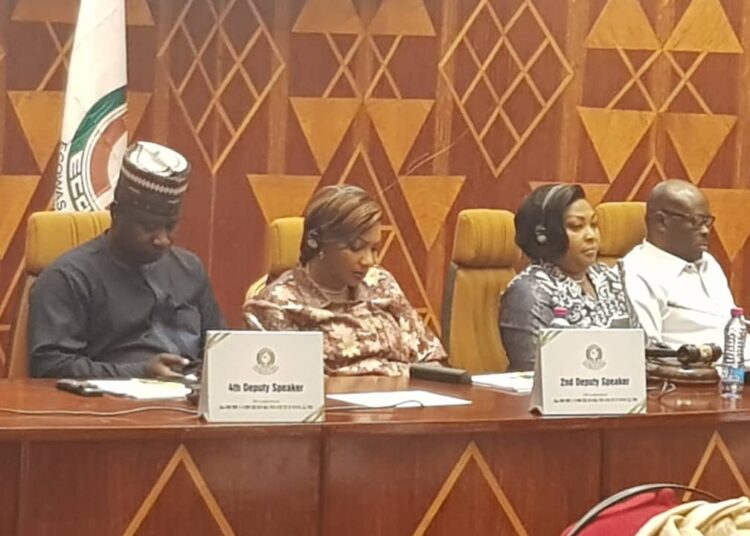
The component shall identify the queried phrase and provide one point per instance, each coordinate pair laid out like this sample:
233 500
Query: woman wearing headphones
557 229
368 325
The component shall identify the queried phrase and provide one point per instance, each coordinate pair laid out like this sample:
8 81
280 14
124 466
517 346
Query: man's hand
165 366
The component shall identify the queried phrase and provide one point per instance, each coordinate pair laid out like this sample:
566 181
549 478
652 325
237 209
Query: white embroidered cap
153 178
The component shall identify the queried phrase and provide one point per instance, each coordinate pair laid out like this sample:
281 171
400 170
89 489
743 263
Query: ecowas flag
94 136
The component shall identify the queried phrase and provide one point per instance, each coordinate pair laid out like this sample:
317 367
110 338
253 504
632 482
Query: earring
321 254
540 232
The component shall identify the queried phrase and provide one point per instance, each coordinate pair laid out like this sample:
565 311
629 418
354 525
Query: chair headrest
622 226
50 234
283 244
485 238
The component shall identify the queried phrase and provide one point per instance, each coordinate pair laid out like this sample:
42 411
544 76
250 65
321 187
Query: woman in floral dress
369 327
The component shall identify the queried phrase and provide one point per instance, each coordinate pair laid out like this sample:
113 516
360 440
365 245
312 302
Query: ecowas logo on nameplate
265 362
594 357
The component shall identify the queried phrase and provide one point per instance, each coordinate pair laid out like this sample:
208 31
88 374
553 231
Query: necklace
335 295
579 280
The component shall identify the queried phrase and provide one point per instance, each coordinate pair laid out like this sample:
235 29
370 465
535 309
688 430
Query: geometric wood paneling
471 454
697 138
39 113
181 458
615 134
398 122
64 11
280 196
732 231
430 198
16 192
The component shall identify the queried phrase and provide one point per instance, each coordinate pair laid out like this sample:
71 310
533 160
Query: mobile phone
78 387
190 374
194 367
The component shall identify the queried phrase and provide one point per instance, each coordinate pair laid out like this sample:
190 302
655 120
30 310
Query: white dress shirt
678 302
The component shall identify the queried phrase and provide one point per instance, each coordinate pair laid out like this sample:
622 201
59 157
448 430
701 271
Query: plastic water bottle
560 320
733 366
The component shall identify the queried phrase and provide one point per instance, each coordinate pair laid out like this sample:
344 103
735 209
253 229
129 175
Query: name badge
590 372
251 376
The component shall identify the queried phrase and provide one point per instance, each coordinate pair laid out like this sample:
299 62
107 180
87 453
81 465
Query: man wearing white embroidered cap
127 303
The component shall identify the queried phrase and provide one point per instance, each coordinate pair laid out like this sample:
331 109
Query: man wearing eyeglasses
677 288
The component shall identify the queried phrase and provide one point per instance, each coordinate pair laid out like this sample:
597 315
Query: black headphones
540 231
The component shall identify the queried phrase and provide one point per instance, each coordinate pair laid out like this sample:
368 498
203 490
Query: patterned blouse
378 332
527 306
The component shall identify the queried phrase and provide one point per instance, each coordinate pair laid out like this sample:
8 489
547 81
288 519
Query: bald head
678 219
673 194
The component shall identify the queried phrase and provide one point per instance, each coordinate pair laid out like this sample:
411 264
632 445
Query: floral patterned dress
377 332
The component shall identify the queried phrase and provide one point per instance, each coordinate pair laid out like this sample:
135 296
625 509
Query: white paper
514 382
399 399
142 389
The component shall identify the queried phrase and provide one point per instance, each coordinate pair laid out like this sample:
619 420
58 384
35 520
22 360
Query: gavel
688 354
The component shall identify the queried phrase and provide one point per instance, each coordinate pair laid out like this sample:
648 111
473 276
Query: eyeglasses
696 221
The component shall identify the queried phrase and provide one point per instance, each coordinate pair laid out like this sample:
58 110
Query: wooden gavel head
704 354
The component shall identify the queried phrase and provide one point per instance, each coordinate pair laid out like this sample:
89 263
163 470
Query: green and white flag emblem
94 136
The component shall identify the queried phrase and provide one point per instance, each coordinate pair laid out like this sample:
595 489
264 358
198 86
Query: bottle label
734 374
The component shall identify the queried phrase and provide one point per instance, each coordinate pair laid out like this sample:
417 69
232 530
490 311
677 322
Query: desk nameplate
262 377
590 372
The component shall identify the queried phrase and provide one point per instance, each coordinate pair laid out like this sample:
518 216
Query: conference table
114 466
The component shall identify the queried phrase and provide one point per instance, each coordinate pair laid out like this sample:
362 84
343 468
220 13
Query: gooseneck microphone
632 316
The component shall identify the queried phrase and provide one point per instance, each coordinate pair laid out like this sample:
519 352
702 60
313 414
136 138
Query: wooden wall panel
474 101
710 458
489 482
148 486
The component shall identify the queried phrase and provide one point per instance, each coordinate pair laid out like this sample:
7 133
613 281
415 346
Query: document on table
142 389
399 399
513 382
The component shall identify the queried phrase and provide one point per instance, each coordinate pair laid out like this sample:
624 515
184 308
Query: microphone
254 322
632 315
688 353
